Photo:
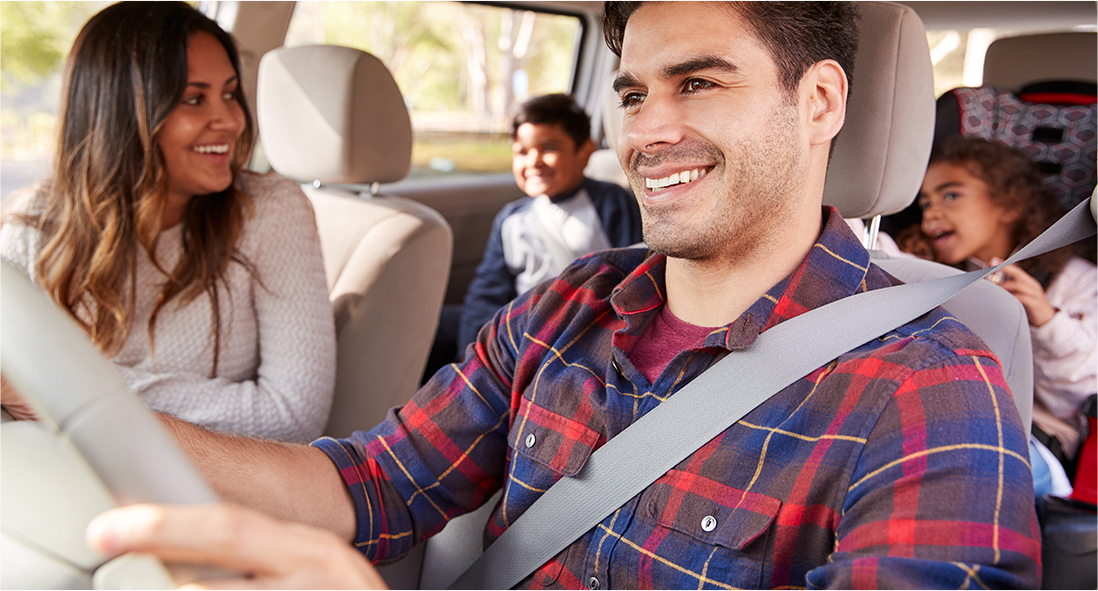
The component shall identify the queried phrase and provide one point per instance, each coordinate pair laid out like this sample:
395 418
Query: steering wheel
98 446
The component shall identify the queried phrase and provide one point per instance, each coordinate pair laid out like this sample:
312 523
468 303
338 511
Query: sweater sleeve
19 243
1064 349
290 396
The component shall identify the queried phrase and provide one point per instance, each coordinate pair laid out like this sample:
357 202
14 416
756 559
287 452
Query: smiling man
898 464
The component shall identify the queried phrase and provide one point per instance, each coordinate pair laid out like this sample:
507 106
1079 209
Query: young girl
203 282
982 201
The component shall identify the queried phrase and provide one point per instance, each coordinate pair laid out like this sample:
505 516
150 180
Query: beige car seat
604 164
334 115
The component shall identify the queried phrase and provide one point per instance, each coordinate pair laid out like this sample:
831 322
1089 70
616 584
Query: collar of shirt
835 268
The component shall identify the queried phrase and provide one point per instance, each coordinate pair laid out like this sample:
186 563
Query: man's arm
943 492
292 482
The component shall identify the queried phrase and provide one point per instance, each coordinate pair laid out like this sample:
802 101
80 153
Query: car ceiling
1020 16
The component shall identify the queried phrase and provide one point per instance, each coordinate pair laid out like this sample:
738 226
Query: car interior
396 249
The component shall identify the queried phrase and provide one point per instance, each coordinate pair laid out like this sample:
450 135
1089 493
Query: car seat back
604 164
878 164
1016 62
327 115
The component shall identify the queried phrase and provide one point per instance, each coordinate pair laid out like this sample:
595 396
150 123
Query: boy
566 217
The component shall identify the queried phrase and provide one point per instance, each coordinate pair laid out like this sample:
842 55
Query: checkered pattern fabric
902 463
998 115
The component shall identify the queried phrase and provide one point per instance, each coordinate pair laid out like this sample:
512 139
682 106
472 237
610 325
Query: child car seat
1038 96
1054 122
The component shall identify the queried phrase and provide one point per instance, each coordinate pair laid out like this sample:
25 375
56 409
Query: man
566 216
900 463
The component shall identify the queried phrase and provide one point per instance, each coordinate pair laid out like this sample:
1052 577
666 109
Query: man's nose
657 123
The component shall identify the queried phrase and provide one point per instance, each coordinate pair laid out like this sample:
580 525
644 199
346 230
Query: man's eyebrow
947 185
624 81
708 62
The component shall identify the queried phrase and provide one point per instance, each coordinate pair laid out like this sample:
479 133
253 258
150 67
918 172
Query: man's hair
554 109
797 34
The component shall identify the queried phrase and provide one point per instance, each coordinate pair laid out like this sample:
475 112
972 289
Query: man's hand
270 553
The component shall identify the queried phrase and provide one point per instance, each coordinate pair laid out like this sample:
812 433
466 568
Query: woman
203 282
981 202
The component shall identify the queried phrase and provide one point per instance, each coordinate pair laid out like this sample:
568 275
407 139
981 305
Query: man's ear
824 87
584 151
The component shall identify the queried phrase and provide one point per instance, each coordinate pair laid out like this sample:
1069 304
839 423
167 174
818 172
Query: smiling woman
197 137
148 209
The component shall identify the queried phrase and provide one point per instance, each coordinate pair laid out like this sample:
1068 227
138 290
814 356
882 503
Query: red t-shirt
665 338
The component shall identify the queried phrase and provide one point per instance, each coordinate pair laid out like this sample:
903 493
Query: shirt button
531 440
614 364
709 523
593 584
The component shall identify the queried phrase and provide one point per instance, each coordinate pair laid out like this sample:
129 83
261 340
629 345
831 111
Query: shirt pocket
552 440
710 512
715 529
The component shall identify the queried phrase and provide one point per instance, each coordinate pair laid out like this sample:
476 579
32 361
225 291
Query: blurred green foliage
35 37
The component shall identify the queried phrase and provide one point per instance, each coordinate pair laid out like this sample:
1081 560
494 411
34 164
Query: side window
958 56
461 68
35 37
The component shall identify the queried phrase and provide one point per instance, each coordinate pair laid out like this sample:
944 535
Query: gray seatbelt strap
714 401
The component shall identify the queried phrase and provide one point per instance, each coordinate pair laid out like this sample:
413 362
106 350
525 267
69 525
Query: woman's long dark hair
125 74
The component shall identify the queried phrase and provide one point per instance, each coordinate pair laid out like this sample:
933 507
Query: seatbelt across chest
704 408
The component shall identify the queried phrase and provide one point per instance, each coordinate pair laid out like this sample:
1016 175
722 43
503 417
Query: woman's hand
14 403
271 554
1028 290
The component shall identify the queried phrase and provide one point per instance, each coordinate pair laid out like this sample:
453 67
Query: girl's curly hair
1013 183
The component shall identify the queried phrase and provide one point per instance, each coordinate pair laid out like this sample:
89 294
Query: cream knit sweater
276 371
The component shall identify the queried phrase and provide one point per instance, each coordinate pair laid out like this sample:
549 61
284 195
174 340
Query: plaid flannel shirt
902 463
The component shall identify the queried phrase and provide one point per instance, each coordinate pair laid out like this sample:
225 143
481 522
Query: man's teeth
686 176
222 149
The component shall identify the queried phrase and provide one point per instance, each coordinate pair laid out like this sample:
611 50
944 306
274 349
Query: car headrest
1015 62
332 114
880 155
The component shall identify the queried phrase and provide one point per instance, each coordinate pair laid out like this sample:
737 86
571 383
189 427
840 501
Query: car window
461 68
958 55
35 37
